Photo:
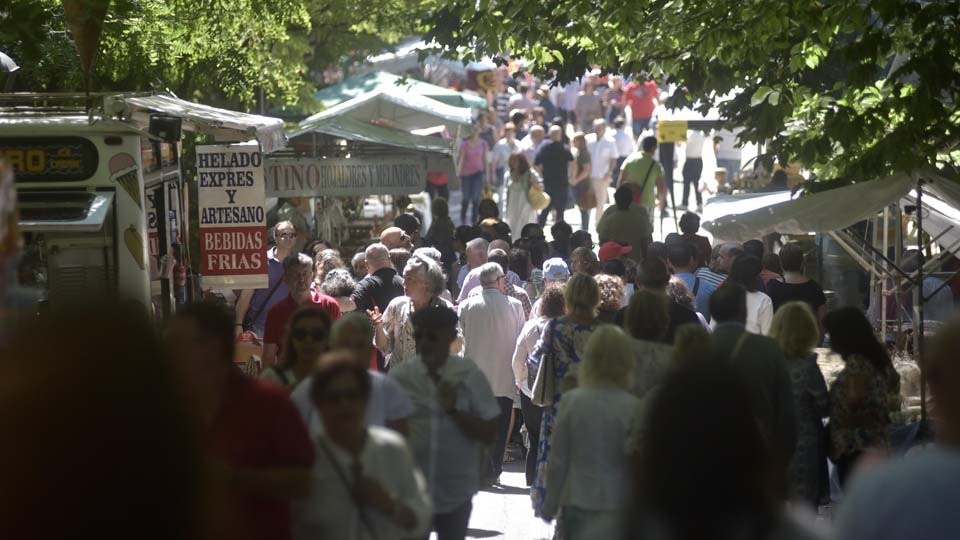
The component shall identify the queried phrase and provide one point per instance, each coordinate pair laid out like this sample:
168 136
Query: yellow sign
672 131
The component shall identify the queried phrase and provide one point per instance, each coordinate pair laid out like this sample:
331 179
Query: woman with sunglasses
364 482
307 337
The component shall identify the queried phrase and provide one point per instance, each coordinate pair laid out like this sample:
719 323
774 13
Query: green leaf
760 95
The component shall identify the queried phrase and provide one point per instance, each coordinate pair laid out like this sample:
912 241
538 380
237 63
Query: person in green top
626 223
643 172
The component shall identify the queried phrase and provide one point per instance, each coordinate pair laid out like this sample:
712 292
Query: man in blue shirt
683 262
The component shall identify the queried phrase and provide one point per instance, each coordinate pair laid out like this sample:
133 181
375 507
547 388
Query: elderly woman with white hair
593 440
423 286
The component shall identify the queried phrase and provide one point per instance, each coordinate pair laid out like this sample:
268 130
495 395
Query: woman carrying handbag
583 191
521 179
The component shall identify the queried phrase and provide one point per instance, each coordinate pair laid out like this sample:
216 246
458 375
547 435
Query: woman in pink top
471 166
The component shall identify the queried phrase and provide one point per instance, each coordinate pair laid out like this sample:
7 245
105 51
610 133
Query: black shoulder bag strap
646 177
248 318
696 285
342 475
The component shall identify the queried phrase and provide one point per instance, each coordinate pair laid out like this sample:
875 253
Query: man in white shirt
566 101
472 278
387 405
625 146
728 155
603 160
693 167
530 144
498 161
491 322
500 257
454 418
476 253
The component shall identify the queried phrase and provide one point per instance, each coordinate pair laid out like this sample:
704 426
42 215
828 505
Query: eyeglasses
286 236
316 334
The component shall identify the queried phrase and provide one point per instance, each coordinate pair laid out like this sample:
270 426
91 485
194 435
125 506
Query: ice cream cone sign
134 243
123 171
85 21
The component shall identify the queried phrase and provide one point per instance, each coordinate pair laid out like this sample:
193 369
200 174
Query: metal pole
875 280
898 260
918 307
883 285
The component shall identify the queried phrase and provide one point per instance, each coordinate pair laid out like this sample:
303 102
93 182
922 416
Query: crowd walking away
671 390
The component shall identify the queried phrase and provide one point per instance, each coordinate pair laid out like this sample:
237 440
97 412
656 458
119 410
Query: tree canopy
215 51
853 89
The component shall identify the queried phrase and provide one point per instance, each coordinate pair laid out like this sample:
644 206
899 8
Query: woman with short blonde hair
596 427
582 296
607 358
796 329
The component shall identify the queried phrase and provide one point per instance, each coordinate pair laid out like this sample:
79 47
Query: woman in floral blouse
423 283
563 342
865 393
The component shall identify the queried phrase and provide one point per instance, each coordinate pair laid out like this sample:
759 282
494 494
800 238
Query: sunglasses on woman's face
316 334
287 236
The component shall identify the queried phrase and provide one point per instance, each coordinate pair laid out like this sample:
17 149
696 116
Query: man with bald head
383 282
476 255
553 162
915 496
491 322
472 279
395 237
530 144
721 260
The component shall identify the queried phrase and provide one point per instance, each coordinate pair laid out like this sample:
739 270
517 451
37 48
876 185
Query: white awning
203 118
743 217
391 108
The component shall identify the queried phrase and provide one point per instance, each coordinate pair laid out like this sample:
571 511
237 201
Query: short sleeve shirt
398 326
278 316
810 292
554 158
448 458
636 167
388 402
258 428
264 299
474 156
602 152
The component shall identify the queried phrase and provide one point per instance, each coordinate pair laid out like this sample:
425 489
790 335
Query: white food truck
102 200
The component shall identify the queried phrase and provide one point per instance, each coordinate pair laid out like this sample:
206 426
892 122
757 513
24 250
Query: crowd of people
658 389
573 142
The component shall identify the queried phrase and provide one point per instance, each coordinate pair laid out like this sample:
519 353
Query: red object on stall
248 353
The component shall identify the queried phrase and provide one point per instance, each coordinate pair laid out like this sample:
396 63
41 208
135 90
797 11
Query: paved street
504 511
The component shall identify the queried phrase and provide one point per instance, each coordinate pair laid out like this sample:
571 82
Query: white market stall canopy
223 123
355 130
406 56
742 217
390 108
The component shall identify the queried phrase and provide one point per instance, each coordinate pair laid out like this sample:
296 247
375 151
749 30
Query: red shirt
258 427
641 98
279 314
